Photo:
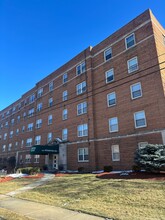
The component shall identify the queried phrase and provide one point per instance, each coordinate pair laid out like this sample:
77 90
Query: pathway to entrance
39 211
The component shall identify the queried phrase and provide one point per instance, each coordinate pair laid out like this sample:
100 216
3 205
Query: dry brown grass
9 215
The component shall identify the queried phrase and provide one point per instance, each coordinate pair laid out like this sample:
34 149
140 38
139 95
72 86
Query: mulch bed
8 178
39 175
133 175
5 179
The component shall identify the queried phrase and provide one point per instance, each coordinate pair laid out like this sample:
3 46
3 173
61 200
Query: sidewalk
40 211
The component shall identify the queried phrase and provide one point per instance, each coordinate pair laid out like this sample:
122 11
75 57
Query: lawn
111 198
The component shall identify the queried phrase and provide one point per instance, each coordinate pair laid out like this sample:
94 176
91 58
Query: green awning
44 149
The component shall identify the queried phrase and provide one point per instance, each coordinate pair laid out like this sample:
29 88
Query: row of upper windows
129 42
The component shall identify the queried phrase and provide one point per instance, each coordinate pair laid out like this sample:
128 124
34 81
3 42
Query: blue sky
38 36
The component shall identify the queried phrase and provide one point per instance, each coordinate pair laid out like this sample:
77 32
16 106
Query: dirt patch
133 175
62 174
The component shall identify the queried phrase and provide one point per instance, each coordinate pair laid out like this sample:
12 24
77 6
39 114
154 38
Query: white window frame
80 68
36 158
83 152
51 86
50 119
38 123
111 71
81 88
65 134
131 88
135 115
29 142
38 140
65 114
129 67
126 43
107 51
82 108
49 137
65 95
82 130
108 99
40 92
65 78
115 152
110 125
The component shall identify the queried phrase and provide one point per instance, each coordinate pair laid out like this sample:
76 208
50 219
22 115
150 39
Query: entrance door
55 161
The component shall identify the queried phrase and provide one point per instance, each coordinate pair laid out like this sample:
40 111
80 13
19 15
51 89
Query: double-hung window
83 155
82 130
111 99
39 107
65 78
80 68
113 124
30 127
140 119
38 140
65 95
130 41
49 137
31 98
31 112
36 158
108 54
28 142
9 147
64 134
109 76
11 134
39 123
27 158
50 119
65 114
82 108
81 88
50 102
40 93
136 90
132 65
115 153
51 86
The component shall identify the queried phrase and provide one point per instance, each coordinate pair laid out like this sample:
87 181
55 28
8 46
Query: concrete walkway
40 211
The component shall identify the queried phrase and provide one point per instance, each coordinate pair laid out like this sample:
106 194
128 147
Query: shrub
108 168
136 168
151 157
81 169
29 170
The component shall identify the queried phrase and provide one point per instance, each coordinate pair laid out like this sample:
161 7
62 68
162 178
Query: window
24 115
65 134
113 124
49 137
111 99
17 131
5 136
132 65
109 75
130 41
51 86
22 143
136 91
31 98
28 142
36 158
80 68
30 127
18 118
12 121
142 144
31 112
38 140
81 88
140 119
83 155
65 78
82 130
11 134
40 93
4 148
27 158
108 54
82 108
6 124
16 144
65 95
115 153
23 129
39 123
65 114
50 102
39 107
50 119
13 109
9 147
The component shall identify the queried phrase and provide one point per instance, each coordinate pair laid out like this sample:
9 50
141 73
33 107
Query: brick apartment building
103 104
